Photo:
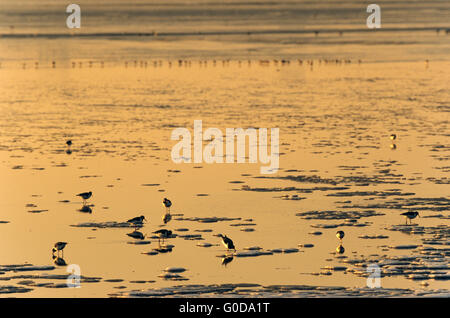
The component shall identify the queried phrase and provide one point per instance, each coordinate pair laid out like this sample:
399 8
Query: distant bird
69 142
59 246
340 235
85 196
137 221
227 242
163 234
393 136
167 203
393 146
410 215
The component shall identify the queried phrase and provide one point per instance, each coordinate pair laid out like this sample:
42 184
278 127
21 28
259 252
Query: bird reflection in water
136 235
226 259
85 209
162 248
163 234
340 249
59 261
167 217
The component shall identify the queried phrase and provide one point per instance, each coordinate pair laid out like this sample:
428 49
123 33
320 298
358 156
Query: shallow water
338 169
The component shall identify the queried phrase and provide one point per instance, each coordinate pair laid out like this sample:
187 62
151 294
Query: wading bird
85 196
59 246
227 242
167 203
137 221
163 234
410 215
340 235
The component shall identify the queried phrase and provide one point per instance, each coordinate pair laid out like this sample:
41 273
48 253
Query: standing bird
163 234
85 196
137 221
410 215
393 136
167 203
340 235
69 143
59 246
227 242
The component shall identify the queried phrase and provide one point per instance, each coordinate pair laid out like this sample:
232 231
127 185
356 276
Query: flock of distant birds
213 62
164 233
